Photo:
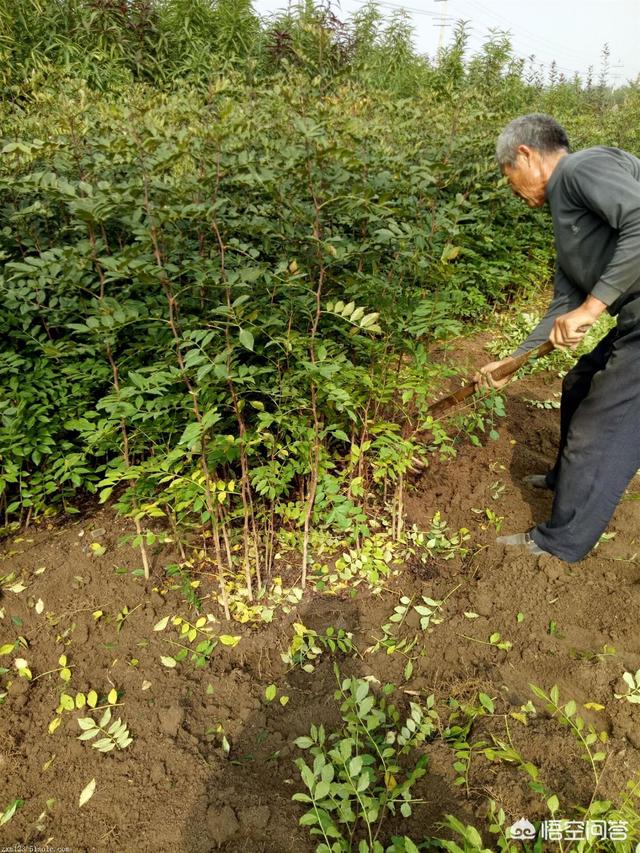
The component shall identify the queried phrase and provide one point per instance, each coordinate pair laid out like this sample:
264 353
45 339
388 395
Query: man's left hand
570 328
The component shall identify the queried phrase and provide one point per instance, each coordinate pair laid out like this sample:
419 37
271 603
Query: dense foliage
227 245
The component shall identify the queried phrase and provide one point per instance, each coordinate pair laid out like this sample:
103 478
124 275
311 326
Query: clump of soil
177 787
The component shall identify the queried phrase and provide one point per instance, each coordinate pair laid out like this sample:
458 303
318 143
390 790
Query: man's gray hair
536 130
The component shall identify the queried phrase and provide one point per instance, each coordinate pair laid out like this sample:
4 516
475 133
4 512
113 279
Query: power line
542 44
541 48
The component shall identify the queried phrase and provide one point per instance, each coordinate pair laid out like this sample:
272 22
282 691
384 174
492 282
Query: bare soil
174 788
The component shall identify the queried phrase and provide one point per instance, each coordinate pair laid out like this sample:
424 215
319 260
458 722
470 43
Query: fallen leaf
87 793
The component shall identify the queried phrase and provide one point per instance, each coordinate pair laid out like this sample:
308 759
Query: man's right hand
484 380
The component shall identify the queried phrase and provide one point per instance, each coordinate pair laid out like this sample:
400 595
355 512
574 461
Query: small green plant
456 733
544 404
586 736
123 615
495 640
117 735
308 645
355 778
633 688
438 541
471 838
187 585
429 613
189 632
587 654
493 519
371 564
496 489
80 700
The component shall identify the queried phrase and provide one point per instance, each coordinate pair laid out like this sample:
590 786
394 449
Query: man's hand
570 328
483 378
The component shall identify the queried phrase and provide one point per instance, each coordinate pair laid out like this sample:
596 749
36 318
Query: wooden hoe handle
499 373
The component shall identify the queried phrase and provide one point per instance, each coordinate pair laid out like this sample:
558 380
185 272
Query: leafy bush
227 246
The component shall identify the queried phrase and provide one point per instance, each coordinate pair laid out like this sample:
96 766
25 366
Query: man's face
527 177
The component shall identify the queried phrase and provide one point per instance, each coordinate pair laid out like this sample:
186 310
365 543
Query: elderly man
594 198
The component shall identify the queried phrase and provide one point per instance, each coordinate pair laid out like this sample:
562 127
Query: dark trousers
599 449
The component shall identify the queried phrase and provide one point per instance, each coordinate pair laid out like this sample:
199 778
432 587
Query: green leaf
11 809
322 789
246 339
270 692
355 766
89 734
486 702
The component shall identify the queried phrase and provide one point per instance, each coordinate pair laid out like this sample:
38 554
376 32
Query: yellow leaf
201 621
7 648
521 718
53 725
87 793
594 706
67 702
97 614
112 698
299 628
390 781
62 660
49 761
92 698
81 700
65 674
228 640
